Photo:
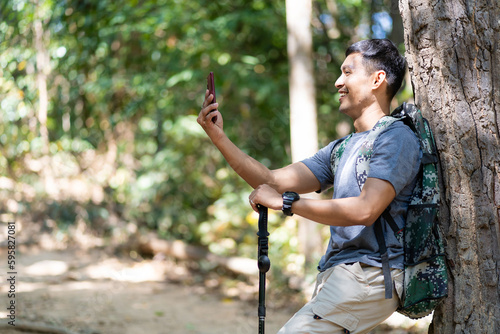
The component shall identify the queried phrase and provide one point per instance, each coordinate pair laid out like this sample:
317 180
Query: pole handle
262 220
264 264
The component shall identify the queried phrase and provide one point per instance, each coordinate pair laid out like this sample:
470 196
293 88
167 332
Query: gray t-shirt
396 159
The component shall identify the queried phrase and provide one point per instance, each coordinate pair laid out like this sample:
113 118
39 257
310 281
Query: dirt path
148 307
91 292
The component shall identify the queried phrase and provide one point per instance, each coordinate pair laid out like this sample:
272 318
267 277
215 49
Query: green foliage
125 80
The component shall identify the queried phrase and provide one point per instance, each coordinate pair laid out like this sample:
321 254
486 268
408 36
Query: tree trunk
453 52
42 64
303 123
41 38
397 32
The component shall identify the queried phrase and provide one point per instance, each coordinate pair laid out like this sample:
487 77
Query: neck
368 118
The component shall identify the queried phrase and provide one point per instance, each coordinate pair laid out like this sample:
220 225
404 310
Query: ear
378 79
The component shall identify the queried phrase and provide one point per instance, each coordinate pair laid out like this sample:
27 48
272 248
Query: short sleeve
319 164
396 156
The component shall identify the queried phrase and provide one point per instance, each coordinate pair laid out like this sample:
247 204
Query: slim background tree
303 114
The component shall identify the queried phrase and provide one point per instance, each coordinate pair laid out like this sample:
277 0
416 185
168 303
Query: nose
340 82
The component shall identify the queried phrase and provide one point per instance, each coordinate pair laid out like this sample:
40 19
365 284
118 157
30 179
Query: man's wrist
288 198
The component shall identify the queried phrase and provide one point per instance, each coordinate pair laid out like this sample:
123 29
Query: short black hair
382 54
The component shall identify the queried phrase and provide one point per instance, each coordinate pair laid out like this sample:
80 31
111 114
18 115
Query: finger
210 109
254 205
205 110
208 98
213 114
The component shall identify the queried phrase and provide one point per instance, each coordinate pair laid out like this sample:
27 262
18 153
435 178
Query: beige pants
346 297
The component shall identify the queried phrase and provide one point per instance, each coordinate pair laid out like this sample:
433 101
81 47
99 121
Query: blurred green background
99 99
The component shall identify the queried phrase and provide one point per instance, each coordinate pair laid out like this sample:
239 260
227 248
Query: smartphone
211 85
211 90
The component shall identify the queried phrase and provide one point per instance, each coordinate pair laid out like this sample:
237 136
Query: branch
180 250
36 328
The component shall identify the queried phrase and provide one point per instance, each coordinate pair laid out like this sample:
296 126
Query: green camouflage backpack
425 275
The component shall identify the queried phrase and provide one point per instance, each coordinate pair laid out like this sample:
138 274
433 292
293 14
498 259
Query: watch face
291 195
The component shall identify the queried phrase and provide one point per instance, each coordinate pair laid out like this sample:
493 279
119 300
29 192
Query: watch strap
288 199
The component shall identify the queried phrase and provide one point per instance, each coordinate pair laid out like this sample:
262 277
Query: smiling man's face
355 86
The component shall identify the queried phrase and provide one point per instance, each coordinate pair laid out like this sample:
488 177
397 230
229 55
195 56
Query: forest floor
88 292
95 291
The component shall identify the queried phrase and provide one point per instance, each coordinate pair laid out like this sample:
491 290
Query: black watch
288 198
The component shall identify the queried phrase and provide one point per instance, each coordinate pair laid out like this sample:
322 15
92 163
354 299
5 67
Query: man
350 291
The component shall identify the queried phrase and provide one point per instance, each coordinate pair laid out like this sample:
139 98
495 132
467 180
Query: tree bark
303 119
453 52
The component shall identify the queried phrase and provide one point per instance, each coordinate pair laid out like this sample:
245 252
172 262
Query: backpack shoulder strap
337 151
366 149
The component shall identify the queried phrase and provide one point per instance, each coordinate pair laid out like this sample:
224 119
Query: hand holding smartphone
211 90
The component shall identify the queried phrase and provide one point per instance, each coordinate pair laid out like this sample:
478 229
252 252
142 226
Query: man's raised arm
295 177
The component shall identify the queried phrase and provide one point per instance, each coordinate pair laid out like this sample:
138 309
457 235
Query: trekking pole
264 264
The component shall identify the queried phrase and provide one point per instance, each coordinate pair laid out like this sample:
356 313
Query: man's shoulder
400 131
398 137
